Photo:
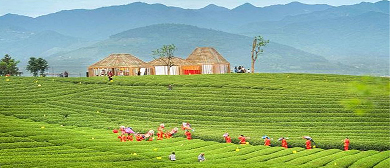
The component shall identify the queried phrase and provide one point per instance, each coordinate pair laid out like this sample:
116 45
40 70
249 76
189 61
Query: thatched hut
180 67
210 61
119 65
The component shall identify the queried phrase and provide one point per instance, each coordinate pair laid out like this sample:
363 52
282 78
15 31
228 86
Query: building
180 67
209 60
119 65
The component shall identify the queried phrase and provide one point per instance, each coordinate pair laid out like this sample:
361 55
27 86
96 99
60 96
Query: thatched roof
119 60
176 62
206 55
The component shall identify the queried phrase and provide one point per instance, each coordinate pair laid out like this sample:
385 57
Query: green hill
235 48
68 122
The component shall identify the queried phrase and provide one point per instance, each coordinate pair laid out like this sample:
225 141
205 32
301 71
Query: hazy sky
41 7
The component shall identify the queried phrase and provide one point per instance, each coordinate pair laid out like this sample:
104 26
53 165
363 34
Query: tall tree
258 43
32 66
42 66
8 66
36 66
165 54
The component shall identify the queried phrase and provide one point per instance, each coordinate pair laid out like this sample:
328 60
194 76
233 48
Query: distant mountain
103 22
34 43
22 44
353 35
356 35
235 48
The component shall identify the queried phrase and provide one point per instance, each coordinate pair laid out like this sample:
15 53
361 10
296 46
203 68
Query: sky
36 8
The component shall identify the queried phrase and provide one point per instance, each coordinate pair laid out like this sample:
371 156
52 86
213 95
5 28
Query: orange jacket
242 140
228 139
346 142
267 142
188 133
130 137
284 143
308 144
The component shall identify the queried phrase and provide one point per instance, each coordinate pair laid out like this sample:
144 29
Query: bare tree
165 54
258 42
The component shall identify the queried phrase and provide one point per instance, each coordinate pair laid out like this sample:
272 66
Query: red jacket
308 144
267 142
284 143
228 139
188 133
242 140
346 142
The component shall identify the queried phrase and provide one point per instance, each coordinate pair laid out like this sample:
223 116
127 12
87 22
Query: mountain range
351 39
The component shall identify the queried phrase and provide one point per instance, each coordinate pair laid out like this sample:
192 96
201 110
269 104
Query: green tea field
68 122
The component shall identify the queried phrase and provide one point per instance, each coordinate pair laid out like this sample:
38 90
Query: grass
68 122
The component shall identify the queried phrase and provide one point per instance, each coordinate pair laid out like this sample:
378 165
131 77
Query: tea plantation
68 122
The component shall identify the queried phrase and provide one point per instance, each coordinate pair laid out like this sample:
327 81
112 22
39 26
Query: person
110 76
243 70
129 137
172 156
242 139
235 69
138 137
149 135
346 143
66 74
284 143
123 138
160 132
122 128
227 138
170 87
186 126
188 134
308 144
103 73
267 141
201 157
171 133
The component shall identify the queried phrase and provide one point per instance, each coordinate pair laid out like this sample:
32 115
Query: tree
258 42
36 66
8 66
165 54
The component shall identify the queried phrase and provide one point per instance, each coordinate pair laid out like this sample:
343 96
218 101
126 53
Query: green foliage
36 66
364 93
165 54
8 66
258 43
63 123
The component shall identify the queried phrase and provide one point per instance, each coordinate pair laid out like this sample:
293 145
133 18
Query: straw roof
206 55
119 60
176 62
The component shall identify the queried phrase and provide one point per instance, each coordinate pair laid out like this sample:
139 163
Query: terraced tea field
68 122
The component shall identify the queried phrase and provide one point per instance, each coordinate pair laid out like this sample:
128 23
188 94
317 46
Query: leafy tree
8 66
258 42
165 54
36 66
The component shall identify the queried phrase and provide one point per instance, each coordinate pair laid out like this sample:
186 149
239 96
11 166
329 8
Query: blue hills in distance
353 39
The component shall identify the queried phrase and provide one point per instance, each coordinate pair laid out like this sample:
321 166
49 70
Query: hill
355 35
352 36
69 121
235 48
103 22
